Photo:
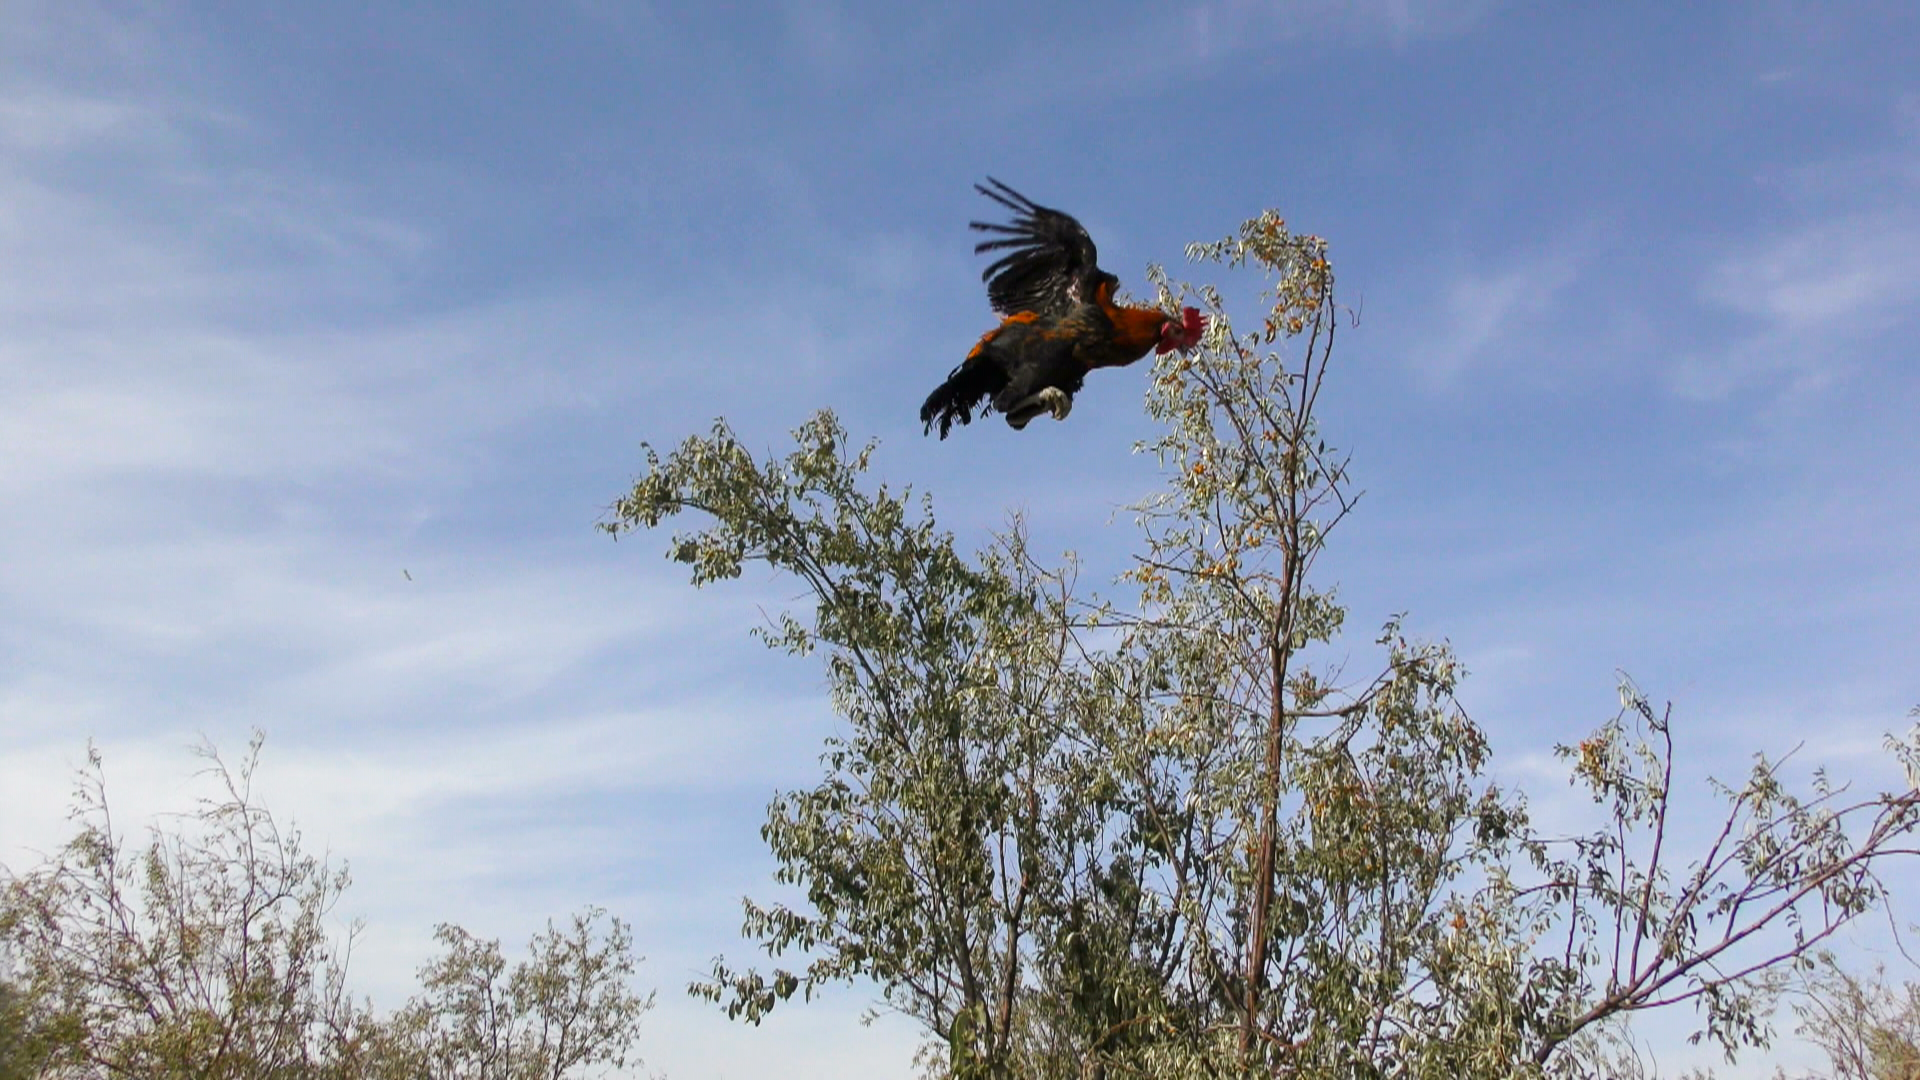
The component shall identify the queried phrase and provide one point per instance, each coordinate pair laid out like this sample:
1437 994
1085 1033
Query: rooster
1058 321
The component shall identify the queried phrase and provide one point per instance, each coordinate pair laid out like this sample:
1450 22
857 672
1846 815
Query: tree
1075 838
949 824
25 1037
206 954
1867 1029
566 1009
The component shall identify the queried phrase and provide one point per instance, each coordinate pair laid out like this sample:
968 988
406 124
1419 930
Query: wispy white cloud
1812 297
43 121
1829 292
1217 27
1819 277
76 37
1481 316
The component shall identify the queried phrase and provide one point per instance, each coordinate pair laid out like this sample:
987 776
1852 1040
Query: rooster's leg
1057 401
1049 400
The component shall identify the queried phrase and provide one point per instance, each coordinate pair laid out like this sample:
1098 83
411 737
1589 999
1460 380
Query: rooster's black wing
1052 265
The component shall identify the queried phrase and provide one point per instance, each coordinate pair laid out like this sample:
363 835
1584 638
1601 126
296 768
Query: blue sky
296 298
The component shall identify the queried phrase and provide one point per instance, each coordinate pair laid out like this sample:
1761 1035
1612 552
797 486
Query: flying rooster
1058 321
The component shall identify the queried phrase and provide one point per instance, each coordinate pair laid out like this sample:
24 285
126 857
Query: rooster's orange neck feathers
1135 329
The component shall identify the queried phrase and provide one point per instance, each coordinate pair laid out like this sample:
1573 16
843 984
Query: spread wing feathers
1051 263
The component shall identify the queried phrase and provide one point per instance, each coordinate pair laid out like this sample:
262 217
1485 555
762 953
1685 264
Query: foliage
25 1035
1780 876
1178 837
206 954
566 1009
953 810
1867 1029
202 954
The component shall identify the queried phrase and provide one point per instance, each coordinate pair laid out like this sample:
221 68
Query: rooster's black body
1058 321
